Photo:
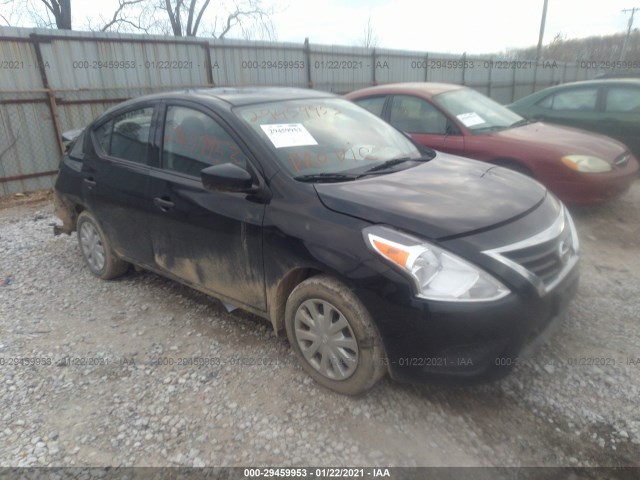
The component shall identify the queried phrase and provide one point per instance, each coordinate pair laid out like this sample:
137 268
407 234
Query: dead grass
37 198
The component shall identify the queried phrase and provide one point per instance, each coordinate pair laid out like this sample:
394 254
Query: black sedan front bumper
465 343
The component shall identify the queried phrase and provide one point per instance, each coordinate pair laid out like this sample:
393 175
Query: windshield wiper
344 177
520 123
390 163
326 177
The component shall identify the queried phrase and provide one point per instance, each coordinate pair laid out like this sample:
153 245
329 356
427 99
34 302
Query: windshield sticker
470 119
288 135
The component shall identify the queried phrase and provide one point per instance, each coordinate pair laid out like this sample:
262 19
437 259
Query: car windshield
477 112
324 137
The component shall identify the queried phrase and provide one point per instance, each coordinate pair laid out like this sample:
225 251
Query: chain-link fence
27 158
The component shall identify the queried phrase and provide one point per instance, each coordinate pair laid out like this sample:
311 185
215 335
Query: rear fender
65 210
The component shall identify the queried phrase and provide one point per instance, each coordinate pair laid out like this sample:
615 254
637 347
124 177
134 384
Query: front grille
545 260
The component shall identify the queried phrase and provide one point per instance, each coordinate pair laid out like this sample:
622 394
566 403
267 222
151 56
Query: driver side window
194 141
415 115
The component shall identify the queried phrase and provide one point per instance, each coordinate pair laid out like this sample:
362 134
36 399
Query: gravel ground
252 405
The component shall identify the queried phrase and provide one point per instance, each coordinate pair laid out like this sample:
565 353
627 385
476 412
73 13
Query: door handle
89 182
163 204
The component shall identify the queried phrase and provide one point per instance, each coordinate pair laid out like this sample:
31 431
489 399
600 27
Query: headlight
586 164
436 273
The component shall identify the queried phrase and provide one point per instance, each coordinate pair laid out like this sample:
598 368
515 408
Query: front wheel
96 249
333 336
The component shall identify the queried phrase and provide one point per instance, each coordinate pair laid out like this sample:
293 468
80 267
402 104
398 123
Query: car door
575 107
115 174
427 124
621 115
211 240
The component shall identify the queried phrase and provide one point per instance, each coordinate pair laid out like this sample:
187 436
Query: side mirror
227 177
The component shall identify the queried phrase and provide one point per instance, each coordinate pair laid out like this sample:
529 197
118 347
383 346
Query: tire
356 348
96 249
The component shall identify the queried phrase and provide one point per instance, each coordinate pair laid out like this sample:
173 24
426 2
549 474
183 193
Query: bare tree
177 10
185 17
61 11
369 38
129 16
118 16
6 16
555 48
251 18
42 13
182 18
600 48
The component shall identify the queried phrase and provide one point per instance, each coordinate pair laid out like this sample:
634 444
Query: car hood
562 140
446 196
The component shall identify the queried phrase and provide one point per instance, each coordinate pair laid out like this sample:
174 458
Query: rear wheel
96 249
333 336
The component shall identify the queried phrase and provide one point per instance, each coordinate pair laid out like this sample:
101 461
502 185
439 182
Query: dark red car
579 167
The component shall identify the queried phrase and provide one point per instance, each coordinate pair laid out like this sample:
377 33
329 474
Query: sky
448 26
452 26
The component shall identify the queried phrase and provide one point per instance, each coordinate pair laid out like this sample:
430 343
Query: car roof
595 83
249 95
619 74
231 96
535 96
603 81
425 89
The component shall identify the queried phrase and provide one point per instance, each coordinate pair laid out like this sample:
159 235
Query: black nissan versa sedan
372 253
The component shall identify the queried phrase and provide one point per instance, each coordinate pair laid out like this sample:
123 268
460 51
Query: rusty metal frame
27 175
53 108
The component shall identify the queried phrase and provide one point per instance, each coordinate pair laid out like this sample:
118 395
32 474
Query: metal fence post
426 67
307 57
53 107
464 61
373 70
208 63
490 76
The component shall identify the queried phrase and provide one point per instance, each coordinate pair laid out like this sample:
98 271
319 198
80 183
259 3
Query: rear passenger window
127 135
193 141
623 99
